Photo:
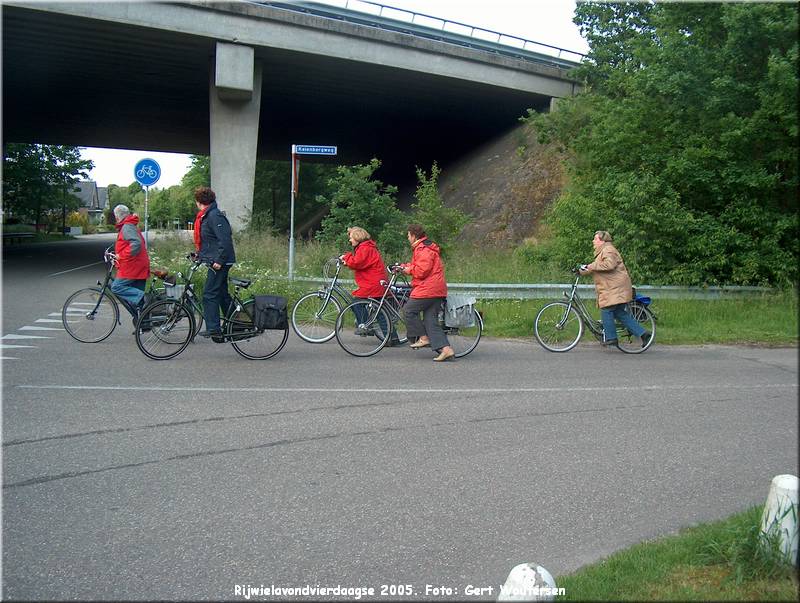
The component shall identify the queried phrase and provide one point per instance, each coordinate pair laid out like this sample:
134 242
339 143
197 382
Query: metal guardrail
480 37
555 291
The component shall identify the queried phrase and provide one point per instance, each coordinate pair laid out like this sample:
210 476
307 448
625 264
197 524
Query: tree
442 224
38 178
358 200
685 144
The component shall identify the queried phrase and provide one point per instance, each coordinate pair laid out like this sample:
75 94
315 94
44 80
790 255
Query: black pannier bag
270 312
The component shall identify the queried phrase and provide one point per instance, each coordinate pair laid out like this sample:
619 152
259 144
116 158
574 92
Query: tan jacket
610 276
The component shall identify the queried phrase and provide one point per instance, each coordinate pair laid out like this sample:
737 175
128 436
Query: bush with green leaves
360 200
442 224
685 143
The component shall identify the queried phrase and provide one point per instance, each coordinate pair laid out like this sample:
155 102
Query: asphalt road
127 478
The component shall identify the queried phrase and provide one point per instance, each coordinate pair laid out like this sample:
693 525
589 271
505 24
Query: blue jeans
129 290
216 297
362 317
619 312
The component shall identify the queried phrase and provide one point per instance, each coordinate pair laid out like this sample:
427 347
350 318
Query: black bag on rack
270 312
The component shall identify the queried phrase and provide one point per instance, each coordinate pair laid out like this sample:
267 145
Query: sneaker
364 332
212 334
646 337
393 343
609 342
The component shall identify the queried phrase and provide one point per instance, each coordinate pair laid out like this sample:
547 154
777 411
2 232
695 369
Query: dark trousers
429 325
216 298
362 317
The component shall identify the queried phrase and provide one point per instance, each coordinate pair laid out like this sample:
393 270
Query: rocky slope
504 186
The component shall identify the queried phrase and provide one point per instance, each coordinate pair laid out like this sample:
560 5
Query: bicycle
166 327
364 327
146 170
91 314
559 324
314 314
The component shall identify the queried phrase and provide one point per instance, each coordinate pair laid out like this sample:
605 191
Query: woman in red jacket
428 291
366 262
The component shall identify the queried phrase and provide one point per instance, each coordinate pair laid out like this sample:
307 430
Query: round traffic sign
147 172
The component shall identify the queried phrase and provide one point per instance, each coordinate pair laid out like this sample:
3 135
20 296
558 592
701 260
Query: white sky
546 21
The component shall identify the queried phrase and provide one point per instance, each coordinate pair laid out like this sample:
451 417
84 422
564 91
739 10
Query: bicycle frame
334 288
574 300
105 286
388 301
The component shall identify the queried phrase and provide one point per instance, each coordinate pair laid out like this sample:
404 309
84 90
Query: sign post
147 172
301 149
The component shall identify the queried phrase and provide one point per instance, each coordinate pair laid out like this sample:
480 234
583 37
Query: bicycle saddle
244 283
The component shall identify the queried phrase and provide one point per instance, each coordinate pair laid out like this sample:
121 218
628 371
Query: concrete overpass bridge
240 80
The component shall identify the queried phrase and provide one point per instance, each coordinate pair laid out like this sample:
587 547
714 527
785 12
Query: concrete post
528 582
235 104
780 514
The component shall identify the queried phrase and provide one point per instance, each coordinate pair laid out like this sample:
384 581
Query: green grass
760 320
720 561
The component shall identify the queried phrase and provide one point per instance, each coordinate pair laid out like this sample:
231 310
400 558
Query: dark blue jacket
216 238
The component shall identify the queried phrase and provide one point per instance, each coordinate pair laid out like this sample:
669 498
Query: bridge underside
72 80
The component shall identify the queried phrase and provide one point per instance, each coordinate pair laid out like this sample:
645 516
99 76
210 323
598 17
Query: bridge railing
455 31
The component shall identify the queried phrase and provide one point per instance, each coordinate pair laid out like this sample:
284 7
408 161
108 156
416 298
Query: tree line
684 143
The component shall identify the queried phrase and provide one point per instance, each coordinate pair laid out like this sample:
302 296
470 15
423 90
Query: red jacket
367 264
134 263
427 271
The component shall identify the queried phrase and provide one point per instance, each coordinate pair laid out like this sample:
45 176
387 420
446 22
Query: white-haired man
133 262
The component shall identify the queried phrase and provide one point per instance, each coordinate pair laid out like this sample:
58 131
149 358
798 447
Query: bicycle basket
270 312
459 311
173 291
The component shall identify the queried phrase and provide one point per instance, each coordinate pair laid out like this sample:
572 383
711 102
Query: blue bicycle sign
147 172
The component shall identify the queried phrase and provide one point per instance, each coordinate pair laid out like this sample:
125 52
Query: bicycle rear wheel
630 344
363 338
558 327
164 329
314 319
247 340
90 315
465 339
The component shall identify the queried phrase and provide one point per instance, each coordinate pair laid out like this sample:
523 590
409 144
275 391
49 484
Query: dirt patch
505 186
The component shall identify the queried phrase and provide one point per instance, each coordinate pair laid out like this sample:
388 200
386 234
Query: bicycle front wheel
465 339
314 317
164 329
558 327
630 344
248 341
90 315
363 328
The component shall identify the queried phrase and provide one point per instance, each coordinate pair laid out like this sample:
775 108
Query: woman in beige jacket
614 289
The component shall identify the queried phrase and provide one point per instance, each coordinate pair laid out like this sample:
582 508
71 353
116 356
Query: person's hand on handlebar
581 269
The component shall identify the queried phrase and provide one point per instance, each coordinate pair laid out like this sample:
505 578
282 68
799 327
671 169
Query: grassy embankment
763 320
720 561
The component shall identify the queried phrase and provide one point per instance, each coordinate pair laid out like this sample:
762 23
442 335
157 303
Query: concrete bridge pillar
235 103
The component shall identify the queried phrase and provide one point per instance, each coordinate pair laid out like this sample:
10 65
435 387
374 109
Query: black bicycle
91 314
166 327
559 324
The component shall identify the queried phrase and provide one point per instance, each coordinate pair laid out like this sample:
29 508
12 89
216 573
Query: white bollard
528 582
780 514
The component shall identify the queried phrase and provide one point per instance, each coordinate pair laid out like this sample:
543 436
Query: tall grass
765 319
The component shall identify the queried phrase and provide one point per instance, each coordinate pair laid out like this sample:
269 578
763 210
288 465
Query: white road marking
432 390
8 358
30 328
4 346
16 336
73 269
47 320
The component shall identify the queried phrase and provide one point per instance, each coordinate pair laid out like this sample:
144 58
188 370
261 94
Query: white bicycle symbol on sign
147 170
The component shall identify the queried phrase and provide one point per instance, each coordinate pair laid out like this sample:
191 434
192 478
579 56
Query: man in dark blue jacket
214 243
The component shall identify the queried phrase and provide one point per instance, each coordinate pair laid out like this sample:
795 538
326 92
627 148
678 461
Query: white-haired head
120 211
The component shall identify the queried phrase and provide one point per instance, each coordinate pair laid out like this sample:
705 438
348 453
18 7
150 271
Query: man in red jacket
366 263
133 263
428 291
